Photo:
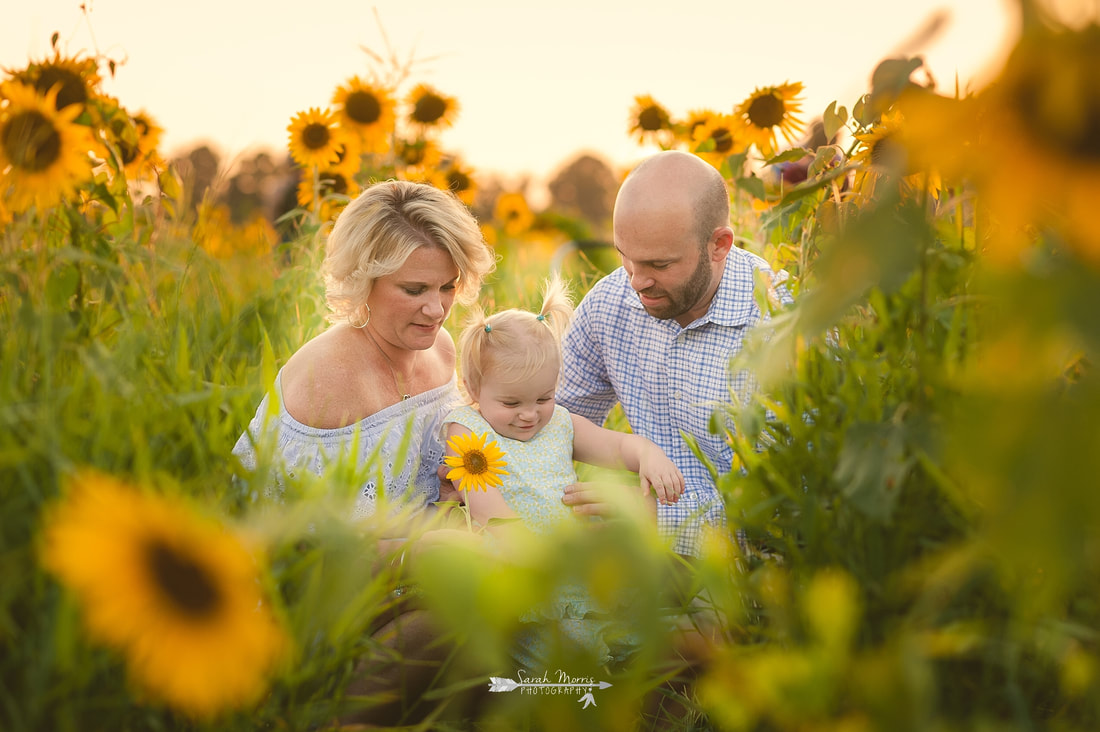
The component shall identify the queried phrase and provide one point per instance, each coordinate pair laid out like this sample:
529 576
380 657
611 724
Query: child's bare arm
610 449
483 504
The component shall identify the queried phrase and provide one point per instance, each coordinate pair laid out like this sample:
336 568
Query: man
658 333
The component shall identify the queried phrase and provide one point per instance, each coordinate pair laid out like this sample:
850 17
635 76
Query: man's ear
721 241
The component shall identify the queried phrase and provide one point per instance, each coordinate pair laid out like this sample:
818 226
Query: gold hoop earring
364 323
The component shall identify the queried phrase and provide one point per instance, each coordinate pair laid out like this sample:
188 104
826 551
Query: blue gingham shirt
667 379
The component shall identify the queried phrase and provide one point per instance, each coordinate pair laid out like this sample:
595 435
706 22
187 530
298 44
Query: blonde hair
518 341
376 233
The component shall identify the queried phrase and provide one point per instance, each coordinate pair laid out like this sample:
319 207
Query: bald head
678 184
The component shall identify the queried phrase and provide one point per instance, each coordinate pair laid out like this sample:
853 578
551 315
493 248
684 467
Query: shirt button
676 394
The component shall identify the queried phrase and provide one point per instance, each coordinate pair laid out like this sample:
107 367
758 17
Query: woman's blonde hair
378 231
518 341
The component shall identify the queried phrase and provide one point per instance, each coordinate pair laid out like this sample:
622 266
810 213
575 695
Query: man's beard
685 297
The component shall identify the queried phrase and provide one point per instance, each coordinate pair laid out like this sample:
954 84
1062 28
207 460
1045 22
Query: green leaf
787 156
833 119
61 285
871 468
752 185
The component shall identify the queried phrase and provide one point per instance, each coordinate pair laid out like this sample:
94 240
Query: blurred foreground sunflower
884 159
429 108
366 110
477 463
649 121
315 138
768 112
43 152
1042 126
179 594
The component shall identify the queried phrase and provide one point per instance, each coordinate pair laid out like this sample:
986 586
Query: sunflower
419 152
179 594
770 110
136 137
430 108
477 463
512 213
685 131
75 79
366 110
883 157
336 189
717 139
315 138
460 180
1039 147
349 159
43 153
649 120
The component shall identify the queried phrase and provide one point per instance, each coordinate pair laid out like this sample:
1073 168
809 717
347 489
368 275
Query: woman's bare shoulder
321 381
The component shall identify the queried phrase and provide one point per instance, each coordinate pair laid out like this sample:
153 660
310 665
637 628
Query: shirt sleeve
585 388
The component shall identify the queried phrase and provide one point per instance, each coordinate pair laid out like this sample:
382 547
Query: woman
381 378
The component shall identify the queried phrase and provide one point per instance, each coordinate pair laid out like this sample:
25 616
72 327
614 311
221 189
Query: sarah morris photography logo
547 683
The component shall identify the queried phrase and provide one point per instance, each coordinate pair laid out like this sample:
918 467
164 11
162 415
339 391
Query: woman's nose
434 307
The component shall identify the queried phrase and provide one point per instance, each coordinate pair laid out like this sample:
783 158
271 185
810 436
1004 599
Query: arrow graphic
497 683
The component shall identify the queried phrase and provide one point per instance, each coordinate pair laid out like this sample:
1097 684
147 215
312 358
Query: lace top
406 465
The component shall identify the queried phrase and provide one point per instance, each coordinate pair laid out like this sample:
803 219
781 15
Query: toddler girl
510 363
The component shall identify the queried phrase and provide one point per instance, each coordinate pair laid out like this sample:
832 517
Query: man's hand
610 500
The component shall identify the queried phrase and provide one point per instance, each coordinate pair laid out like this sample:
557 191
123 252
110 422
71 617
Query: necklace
389 363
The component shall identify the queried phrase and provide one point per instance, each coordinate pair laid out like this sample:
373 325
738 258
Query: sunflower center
650 119
316 136
337 183
723 140
457 181
30 141
128 152
183 581
1074 135
429 108
414 153
887 154
475 462
363 107
766 111
73 89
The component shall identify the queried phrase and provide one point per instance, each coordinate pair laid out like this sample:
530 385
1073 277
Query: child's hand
659 473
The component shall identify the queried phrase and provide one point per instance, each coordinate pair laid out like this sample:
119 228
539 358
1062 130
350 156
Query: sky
537 82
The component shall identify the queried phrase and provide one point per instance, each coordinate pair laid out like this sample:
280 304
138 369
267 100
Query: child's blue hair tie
540 317
488 328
